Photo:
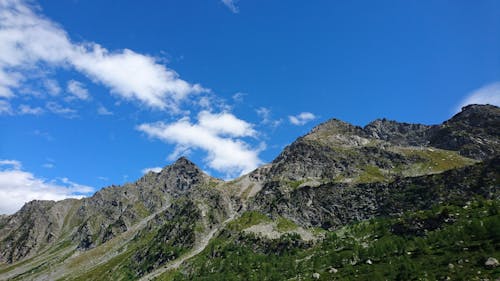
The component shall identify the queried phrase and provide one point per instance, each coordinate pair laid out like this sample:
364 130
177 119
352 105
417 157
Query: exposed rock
491 263
333 270
398 133
474 132
332 205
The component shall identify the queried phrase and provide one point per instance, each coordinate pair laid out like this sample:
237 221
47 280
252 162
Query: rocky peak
182 175
335 127
477 115
397 132
474 132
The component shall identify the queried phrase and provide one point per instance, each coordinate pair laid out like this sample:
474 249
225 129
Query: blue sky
92 93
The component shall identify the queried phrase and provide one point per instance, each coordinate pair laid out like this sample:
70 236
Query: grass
284 225
247 220
371 174
434 161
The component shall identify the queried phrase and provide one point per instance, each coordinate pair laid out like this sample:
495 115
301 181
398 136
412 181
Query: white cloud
217 134
239 97
488 94
30 40
5 108
77 90
13 163
101 110
48 165
28 110
302 118
152 169
52 87
265 116
231 4
20 187
56 108
225 124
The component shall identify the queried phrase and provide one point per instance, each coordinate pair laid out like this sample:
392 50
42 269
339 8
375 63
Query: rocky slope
336 175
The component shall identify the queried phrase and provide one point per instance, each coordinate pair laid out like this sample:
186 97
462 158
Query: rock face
337 174
399 133
92 221
332 205
474 132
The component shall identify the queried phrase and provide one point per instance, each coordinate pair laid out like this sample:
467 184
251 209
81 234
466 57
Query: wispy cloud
302 118
239 96
25 109
30 41
151 169
20 186
48 165
5 108
101 110
488 94
52 87
219 135
265 115
56 108
77 90
231 5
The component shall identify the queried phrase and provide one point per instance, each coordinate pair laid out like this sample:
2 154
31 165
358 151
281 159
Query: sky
95 93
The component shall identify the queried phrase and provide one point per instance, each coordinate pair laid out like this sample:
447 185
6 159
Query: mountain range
387 201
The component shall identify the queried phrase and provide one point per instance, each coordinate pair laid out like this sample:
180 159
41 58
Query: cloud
488 94
20 186
77 90
52 87
219 135
56 108
265 116
48 165
31 42
239 97
302 118
5 108
13 163
101 110
231 4
42 134
24 109
152 169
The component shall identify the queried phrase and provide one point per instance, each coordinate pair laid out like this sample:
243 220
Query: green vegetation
444 242
433 161
284 225
371 174
248 219
296 184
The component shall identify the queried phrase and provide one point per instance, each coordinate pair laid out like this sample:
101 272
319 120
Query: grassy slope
447 241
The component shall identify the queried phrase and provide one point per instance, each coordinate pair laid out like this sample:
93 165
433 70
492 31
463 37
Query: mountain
333 196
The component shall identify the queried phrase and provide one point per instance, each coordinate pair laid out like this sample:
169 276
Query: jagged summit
184 162
334 126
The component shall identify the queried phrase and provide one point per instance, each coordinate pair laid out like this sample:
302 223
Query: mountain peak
182 174
480 107
183 161
334 127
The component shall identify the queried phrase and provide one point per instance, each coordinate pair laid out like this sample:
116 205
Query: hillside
389 200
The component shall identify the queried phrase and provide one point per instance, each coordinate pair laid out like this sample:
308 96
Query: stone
491 263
